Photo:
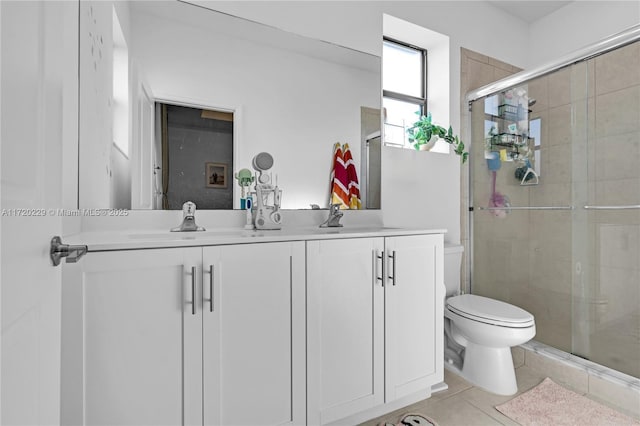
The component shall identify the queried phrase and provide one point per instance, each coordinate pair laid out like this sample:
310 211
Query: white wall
577 25
96 111
104 171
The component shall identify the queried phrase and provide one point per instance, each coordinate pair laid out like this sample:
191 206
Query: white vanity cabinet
157 350
289 329
137 344
375 318
254 334
345 327
414 315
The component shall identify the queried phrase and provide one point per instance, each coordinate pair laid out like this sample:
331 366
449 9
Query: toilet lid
489 310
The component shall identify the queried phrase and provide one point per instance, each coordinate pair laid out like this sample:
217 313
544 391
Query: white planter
429 145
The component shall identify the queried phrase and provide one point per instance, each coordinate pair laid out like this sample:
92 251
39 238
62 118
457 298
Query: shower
566 245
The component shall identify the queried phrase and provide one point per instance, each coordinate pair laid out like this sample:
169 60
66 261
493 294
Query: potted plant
424 134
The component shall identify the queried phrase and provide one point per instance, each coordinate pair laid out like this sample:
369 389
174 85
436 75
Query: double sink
250 233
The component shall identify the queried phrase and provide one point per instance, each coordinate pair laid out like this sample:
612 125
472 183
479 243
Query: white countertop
146 239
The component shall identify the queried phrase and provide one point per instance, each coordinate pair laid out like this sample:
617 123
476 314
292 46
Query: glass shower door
606 237
521 197
563 241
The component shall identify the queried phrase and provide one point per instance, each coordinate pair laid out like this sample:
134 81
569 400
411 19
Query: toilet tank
452 263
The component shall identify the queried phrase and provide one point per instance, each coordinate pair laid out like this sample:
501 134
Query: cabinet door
414 301
345 314
254 360
141 339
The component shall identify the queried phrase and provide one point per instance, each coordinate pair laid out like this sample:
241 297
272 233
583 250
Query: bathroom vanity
305 326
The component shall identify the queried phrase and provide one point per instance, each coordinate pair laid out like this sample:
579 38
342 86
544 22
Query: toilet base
490 368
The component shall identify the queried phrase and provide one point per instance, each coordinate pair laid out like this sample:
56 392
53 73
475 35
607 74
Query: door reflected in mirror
288 95
196 151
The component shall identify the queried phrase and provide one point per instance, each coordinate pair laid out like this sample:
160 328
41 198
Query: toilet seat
490 311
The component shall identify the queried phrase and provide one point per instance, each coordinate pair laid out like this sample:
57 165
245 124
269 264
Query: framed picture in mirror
216 174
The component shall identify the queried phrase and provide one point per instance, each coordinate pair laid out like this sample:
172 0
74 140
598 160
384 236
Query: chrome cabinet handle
380 277
210 288
193 290
392 256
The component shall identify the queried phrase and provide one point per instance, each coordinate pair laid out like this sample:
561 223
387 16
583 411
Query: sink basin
192 235
245 233
352 230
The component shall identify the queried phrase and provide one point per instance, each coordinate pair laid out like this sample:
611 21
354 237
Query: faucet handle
189 209
334 216
188 219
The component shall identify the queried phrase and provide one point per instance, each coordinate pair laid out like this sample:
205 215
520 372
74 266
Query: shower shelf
511 112
508 140
513 144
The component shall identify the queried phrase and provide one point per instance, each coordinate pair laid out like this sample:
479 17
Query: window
404 88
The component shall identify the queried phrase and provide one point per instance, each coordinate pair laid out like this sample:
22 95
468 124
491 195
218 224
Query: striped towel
352 177
339 180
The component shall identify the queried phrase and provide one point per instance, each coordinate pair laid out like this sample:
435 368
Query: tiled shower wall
577 271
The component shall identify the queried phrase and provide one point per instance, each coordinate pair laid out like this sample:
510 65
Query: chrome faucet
333 221
188 219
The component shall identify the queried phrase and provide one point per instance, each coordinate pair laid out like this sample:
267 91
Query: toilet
479 332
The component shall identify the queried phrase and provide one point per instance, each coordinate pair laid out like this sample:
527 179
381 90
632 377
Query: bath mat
553 405
413 420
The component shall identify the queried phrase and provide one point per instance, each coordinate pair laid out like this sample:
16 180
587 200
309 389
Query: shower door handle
616 207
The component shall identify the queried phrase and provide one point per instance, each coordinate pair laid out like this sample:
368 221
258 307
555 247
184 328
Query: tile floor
463 404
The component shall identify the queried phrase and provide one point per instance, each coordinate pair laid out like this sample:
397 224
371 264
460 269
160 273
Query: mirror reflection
172 93
187 136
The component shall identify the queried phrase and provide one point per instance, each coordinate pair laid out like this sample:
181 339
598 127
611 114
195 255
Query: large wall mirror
159 77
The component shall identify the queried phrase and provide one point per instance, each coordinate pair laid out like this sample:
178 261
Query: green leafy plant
421 132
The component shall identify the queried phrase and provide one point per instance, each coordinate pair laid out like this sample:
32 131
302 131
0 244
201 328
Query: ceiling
529 11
